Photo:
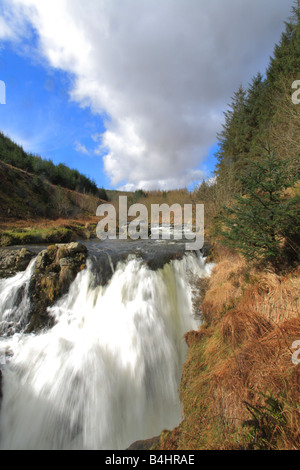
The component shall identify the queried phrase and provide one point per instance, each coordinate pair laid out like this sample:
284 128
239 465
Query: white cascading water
14 301
107 374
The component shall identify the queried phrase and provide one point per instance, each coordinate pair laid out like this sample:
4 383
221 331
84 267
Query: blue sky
130 92
40 116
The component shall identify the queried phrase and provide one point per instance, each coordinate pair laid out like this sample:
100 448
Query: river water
108 372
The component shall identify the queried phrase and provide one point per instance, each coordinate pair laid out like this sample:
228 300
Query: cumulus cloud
159 73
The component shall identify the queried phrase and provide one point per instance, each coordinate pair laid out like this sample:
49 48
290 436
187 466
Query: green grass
36 236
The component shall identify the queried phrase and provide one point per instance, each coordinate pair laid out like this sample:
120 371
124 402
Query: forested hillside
59 175
264 113
41 202
255 201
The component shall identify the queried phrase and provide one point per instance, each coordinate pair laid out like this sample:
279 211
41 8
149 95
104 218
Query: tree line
59 175
264 112
256 202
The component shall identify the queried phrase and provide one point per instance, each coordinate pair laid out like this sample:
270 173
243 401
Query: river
108 372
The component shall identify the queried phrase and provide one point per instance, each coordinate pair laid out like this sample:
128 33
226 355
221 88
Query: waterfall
108 372
14 301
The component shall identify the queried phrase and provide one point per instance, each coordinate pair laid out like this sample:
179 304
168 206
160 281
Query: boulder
13 261
55 269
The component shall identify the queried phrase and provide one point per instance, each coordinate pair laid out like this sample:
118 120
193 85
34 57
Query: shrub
264 221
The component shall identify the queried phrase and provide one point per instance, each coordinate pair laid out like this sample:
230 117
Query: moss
36 236
50 288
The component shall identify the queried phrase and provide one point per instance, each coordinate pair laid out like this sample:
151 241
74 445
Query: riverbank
240 388
43 231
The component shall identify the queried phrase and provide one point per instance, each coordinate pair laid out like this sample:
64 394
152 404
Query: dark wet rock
13 261
158 262
55 270
206 250
106 255
147 444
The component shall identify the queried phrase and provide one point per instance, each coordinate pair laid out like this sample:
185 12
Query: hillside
33 210
59 175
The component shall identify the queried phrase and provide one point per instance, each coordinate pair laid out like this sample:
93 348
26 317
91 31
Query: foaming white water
107 374
14 301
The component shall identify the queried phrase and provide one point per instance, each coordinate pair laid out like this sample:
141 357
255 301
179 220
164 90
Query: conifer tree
264 224
286 60
233 136
263 112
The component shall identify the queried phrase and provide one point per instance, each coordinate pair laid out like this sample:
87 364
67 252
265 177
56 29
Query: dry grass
41 223
240 388
224 287
276 298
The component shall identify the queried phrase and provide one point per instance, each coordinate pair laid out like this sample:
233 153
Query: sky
130 92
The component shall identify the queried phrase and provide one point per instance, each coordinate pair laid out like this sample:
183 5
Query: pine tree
263 112
233 136
263 224
286 60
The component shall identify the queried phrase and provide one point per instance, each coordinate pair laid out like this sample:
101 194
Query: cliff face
240 388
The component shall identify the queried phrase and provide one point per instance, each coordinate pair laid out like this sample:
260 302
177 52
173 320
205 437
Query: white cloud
81 148
162 72
5 30
13 23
